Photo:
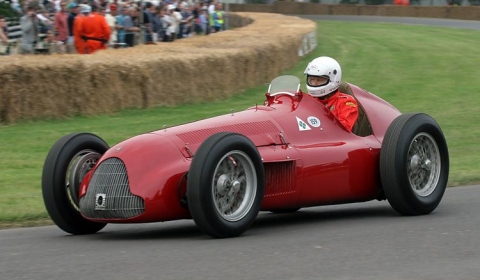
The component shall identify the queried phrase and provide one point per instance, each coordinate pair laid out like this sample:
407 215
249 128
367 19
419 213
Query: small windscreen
286 84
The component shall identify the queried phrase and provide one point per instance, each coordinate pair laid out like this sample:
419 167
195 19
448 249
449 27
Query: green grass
415 68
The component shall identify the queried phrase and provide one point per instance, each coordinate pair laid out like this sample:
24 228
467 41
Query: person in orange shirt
323 81
77 28
95 31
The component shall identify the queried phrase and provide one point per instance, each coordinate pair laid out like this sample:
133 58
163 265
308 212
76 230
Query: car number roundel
313 121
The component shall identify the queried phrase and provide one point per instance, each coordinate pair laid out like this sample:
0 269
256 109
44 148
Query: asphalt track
355 241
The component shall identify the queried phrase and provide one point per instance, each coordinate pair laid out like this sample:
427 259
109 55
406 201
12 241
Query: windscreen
286 84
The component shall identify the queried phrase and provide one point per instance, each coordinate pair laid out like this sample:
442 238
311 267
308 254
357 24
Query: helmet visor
317 81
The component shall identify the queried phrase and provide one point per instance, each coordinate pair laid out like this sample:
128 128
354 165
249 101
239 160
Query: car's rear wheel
67 163
414 164
225 185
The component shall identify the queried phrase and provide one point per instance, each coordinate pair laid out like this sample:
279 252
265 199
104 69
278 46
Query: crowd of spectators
85 26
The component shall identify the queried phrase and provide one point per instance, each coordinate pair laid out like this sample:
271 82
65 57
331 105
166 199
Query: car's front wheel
225 185
67 163
414 164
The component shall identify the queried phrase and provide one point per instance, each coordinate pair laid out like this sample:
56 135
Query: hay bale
194 69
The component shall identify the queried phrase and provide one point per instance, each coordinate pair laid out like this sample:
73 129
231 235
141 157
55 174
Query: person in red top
77 28
95 31
323 81
61 25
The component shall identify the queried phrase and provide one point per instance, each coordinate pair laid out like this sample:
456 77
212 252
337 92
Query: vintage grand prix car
281 156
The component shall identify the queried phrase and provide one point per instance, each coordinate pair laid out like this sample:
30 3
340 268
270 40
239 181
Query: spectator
49 6
95 31
211 7
181 19
220 16
211 13
112 23
217 18
61 26
48 45
74 10
4 48
196 11
148 15
175 18
156 24
188 21
101 10
29 23
129 26
101 4
16 6
165 31
203 20
45 23
58 6
77 28
138 21
120 25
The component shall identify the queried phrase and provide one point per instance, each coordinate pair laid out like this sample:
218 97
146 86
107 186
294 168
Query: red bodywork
320 166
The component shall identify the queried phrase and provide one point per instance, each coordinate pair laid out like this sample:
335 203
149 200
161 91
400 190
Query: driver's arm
347 112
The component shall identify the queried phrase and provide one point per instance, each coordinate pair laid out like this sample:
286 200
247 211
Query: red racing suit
77 32
95 32
344 107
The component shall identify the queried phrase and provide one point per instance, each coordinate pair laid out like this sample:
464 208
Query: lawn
416 68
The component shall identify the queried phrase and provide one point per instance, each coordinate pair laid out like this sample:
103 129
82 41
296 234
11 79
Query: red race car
281 156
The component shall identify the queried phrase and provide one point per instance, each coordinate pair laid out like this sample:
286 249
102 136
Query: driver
323 82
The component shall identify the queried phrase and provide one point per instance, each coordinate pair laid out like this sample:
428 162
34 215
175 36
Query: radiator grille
108 195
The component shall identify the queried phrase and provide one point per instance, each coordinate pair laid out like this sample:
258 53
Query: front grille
108 195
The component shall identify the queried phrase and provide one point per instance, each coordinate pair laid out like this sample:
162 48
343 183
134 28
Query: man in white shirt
211 8
112 23
175 18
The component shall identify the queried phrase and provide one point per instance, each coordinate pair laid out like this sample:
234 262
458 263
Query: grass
415 68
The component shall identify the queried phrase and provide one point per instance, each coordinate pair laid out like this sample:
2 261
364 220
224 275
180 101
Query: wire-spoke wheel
225 185
423 164
234 186
66 165
414 164
79 166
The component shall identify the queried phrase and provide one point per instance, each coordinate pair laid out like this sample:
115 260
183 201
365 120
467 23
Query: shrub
6 10
374 2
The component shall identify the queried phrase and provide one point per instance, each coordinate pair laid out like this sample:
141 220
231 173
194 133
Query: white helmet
326 67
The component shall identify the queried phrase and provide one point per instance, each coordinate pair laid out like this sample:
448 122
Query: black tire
210 187
68 161
414 164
